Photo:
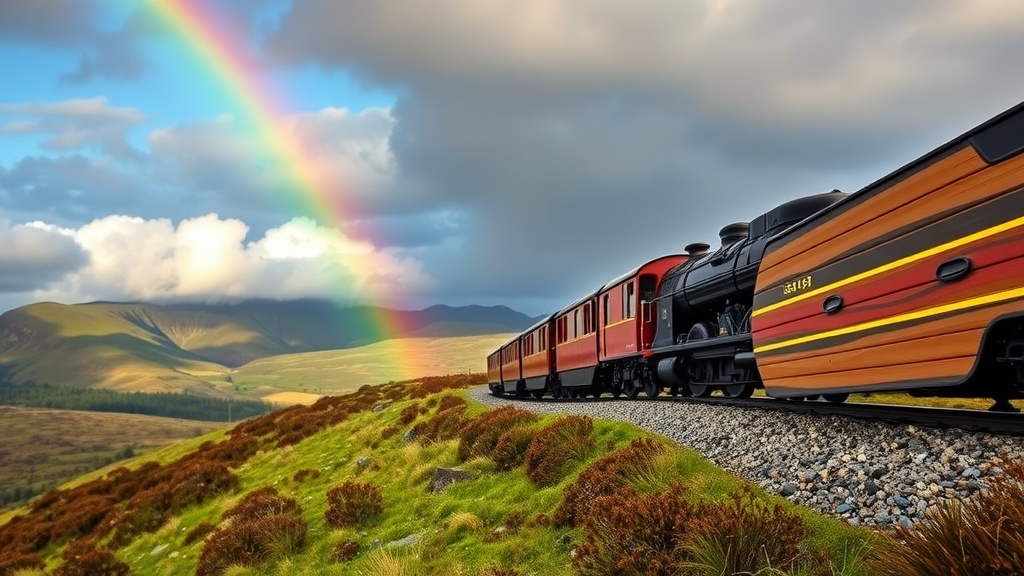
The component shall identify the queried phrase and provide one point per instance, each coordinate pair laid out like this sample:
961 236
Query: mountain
142 346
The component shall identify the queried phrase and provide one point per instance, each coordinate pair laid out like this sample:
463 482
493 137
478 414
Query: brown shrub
83 558
605 476
251 543
514 521
632 534
198 480
81 516
747 535
199 532
982 535
510 450
11 562
261 503
306 474
450 401
409 413
481 434
353 502
145 512
234 451
556 446
388 432
345 551
443 425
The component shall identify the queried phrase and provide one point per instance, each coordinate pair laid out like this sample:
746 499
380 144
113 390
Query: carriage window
577 324
607 309
628 302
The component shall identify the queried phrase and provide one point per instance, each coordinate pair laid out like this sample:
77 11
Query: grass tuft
983 535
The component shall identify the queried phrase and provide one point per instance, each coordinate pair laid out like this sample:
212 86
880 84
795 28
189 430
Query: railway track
1001 423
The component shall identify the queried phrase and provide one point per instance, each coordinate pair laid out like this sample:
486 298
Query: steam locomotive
914 283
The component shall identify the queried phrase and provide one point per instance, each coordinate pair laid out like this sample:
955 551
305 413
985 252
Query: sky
411 153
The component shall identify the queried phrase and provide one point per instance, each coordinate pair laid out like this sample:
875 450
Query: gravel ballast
868 473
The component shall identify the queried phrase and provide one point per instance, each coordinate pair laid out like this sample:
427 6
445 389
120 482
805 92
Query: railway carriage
538 346
494 372
511 365
576 351
627 325
915 281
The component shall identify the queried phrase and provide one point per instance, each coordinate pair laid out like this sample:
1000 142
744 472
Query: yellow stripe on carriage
998 229
907 317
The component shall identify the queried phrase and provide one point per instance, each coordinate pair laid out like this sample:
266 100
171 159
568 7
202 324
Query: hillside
349 486
44 448
179 347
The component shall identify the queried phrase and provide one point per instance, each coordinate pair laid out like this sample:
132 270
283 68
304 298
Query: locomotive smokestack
734 233
697 249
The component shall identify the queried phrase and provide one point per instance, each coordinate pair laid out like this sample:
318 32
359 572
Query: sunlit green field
335 371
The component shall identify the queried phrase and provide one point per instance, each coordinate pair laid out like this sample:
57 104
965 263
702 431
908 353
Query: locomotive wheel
632 389
616 390
651 389
835 398
700 390
741 391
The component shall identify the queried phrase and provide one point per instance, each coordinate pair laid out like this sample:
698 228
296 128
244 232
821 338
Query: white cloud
208 259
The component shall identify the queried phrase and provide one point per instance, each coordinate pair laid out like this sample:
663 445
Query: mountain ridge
138 345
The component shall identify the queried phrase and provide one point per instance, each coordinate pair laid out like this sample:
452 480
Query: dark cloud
580 137
34 257
48 22
67 190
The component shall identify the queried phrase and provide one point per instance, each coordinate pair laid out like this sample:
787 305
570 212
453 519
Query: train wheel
700 390
538 394
835 398
651 389
739 390
632 389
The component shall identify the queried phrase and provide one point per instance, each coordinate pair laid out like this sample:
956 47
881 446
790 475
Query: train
914 283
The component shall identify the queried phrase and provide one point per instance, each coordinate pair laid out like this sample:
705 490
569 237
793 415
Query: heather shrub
193 482
388 432
481 434
306 474
510 450
251 543
443 425
747 535
556 447
353 502
83 558
628 534
450 401
982 535
409 413
199 532
261 503
13 562
607 474
345 550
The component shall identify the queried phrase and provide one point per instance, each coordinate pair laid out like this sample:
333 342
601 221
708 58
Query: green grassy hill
337 371
147 347
344 487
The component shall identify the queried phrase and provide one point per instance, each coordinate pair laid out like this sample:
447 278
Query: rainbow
223 53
